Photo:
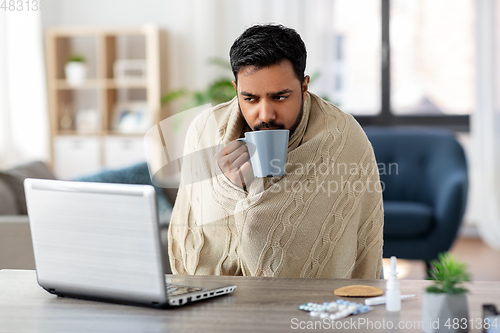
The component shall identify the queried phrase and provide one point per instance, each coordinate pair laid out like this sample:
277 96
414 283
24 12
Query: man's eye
249 99
281 98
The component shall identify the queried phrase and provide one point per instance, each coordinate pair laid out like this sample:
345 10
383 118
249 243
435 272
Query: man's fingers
247 172
233 160
232 146
228 148
236 178
246 167
235 155
240 160
226 161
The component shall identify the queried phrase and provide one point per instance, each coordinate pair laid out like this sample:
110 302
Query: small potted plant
444 306
75 70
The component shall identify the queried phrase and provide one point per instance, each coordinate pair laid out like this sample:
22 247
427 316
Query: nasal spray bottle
392 292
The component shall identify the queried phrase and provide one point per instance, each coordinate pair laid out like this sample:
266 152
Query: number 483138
20 5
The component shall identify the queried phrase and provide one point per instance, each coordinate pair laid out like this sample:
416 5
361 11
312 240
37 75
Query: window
432 56
357 29
425 62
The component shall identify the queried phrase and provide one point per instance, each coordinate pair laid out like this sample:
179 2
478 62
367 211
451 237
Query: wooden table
257 305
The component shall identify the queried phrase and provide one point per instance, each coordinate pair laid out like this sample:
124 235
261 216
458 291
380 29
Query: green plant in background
76 58
448 275
219 91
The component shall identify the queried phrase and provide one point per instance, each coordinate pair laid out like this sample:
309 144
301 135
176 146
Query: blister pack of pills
334 310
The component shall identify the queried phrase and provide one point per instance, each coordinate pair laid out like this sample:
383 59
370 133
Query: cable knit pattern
323 218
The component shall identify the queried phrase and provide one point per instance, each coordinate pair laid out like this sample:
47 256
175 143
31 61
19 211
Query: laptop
100 241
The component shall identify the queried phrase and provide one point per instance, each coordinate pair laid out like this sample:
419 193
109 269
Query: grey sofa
16 251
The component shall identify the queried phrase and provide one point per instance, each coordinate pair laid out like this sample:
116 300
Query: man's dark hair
268 44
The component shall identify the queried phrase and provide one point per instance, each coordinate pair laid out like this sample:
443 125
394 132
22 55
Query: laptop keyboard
175 289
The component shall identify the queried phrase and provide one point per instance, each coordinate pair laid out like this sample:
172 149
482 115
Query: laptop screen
96 239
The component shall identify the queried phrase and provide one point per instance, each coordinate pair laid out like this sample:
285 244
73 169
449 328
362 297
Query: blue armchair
424 178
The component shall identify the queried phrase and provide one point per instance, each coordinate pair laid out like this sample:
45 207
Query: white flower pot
76 72
445 313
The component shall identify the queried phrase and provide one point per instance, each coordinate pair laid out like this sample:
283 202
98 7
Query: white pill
314 313
323 315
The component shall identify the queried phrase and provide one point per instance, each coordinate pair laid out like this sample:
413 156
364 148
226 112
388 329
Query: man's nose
266 112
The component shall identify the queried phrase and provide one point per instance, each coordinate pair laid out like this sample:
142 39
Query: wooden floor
483 262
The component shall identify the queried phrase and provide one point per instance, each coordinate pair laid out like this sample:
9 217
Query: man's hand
234 161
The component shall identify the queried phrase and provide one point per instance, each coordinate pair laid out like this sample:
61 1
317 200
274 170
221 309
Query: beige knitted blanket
323 218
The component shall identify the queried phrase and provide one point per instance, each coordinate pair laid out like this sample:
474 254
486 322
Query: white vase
445 313
76 73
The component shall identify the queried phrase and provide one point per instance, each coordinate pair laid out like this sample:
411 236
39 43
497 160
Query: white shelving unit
85 136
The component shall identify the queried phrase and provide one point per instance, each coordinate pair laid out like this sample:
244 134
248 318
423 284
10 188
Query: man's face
271 97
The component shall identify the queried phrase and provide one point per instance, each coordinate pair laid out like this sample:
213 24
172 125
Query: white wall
485 122
24 130
197 29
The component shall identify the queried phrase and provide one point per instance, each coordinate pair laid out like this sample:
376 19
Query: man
323 218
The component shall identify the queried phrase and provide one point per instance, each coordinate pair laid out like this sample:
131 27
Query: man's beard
274 125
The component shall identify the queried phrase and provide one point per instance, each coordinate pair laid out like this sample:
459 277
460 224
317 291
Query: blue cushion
406 219
134 174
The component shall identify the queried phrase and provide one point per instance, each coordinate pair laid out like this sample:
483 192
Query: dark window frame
457 123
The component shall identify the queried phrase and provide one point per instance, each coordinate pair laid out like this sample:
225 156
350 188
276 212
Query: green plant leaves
219 91
172 96
76 58
448 274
